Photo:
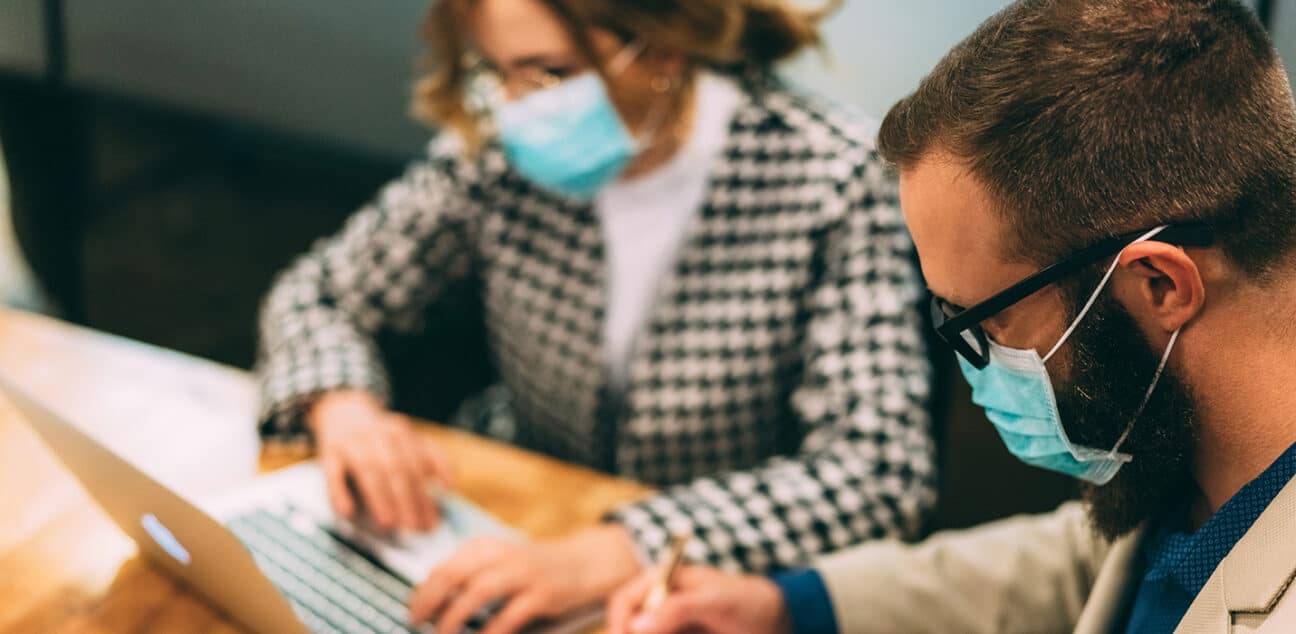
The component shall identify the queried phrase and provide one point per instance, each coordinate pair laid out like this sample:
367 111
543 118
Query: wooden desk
64 567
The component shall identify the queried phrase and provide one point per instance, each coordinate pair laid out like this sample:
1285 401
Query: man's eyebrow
945 298
959 303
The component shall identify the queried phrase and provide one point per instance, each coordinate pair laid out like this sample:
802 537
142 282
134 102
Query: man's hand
701 600
359 441
530 580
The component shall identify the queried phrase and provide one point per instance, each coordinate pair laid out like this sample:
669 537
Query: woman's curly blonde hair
707 32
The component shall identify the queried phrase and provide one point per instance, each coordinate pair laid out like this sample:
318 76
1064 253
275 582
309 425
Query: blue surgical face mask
570 139
1017 394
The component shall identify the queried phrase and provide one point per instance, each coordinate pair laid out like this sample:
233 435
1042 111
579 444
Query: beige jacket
1051 573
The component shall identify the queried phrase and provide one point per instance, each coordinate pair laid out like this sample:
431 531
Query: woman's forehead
512 32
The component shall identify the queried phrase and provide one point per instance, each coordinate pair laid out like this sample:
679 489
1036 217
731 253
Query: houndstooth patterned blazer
777 391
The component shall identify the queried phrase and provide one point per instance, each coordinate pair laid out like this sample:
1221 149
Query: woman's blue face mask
1017 394
569 138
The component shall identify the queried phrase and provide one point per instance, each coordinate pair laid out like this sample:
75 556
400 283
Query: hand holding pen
673 597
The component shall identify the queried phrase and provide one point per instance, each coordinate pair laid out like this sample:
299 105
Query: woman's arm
865 468
393 258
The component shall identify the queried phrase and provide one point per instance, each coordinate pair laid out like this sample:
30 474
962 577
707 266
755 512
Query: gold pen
667 572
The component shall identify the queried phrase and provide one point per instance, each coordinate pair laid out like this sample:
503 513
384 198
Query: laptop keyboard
332 587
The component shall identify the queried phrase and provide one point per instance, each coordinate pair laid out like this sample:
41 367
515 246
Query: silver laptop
270 555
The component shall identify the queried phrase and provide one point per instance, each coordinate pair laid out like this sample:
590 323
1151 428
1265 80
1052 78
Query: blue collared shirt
809 607
1178 562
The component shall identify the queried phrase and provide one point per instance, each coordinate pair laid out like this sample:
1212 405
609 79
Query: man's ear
1167 288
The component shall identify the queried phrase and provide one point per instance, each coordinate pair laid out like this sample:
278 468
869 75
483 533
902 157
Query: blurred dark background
166 159
188 222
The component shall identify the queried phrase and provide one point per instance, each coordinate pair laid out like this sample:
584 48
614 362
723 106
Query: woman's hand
701 600
360 441
530 580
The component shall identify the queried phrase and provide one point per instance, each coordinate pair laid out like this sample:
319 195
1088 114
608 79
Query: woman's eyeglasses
487 87
961 328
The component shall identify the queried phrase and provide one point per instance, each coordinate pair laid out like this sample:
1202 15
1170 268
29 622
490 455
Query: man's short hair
1089 118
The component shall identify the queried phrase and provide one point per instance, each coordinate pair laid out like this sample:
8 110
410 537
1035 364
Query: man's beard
1112 366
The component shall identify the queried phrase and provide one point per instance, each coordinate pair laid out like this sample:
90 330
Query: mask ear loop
1147 396
625 57
1094 297
656 117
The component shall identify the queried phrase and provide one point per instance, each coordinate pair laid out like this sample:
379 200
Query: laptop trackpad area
414 555
301 489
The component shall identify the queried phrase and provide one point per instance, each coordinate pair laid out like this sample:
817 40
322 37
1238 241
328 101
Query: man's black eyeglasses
961 328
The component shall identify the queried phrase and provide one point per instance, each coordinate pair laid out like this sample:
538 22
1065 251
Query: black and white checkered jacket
777 392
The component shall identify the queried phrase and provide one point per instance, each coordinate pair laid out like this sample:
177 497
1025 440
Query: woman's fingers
382 455
335 477
625 604
416 477
376 451
688 605
431 596
482 590
405 482
517 613
375 491
677 613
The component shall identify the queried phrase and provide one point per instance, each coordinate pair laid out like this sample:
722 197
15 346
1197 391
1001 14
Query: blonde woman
691 276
